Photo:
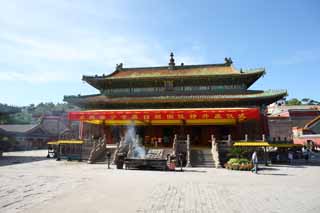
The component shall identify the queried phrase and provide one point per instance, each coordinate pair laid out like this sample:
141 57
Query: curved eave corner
91 80
256 74
74 99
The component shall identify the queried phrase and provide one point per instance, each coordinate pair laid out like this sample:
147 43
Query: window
168 85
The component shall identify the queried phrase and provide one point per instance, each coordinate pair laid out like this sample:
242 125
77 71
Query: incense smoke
132 139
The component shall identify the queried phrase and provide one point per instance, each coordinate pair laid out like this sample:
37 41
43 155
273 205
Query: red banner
172 114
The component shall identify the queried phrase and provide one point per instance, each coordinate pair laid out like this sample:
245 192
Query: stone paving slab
49 186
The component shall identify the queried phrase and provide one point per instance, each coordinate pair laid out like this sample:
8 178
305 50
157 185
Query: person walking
254 160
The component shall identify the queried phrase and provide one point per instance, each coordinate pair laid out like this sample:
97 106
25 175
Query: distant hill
304 101
32 113
6 109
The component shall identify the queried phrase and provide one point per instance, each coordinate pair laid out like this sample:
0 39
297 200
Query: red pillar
81 130
264 122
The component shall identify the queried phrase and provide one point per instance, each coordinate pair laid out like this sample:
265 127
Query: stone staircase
201 157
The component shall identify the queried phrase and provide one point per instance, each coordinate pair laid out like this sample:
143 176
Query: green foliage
6 109
304 101
20 118
6 143
31 113
239 164
233 160
238 161
293 101
243 161
237 152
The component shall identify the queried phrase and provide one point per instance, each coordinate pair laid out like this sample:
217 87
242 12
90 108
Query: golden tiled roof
179 71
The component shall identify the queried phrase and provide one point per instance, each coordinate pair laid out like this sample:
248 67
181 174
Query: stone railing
188 152
182 146
215 152
246 138
99 147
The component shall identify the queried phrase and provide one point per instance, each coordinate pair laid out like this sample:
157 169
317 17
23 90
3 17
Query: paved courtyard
31 183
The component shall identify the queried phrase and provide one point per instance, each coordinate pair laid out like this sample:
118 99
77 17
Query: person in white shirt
254 160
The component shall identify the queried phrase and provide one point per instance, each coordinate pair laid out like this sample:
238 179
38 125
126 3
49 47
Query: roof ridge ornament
119 67
171 62
228 61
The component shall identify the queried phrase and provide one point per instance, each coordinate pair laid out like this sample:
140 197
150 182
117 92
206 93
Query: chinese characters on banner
145 115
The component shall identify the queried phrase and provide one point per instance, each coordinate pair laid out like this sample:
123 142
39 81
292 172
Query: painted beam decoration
168 116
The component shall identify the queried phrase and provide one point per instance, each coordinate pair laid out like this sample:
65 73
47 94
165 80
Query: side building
283 119
32 136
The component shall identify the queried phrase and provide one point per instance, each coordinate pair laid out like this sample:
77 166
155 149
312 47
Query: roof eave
257 74
95 81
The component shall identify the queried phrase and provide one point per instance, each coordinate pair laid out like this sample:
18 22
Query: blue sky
46 46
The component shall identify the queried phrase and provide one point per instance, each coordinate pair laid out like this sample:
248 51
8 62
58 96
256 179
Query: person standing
254 160
307 157
305 153
290 157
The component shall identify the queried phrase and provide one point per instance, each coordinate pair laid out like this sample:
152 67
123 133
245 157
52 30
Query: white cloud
44 42
42 54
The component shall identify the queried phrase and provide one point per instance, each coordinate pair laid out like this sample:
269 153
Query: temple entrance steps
201 157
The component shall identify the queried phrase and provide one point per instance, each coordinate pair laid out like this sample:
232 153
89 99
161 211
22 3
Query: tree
31 114
293 101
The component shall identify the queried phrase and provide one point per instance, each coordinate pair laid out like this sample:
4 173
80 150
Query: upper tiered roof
212 72
206 85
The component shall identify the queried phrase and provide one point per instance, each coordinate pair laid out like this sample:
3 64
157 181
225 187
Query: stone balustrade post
188 151
174 146
213 144
115 153
213 139
130 152
215 152
229 140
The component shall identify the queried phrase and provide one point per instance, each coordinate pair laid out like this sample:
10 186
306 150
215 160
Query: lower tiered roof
253 98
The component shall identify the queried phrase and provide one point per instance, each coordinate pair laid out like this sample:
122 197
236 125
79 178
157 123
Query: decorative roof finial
171 63
119 66
228 61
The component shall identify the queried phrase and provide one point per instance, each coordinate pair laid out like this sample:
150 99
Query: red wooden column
264 121
107 132
81 130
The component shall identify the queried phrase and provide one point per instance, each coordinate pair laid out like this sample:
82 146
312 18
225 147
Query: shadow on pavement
11 160
300 164
275 174
268 168
193 170
169 171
